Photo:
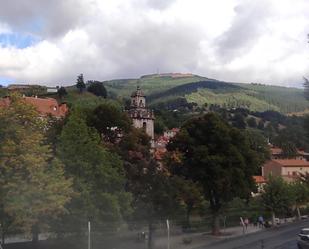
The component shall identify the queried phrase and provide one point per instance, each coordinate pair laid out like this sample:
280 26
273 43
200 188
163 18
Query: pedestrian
261 221
246 222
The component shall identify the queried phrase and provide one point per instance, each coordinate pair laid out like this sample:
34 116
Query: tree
289 149
33 187
261 125
217 156
98 175
190 195
239 121
154 195
97 88
277 196
110 121
80 84
252 122
300 191
259 144
62 92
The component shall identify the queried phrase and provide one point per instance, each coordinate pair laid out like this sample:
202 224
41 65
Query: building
140 115
277 153
288 169
260 182
45 107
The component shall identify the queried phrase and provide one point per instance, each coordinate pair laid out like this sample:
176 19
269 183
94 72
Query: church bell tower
140 115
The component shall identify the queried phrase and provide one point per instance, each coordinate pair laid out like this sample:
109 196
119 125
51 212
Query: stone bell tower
140 115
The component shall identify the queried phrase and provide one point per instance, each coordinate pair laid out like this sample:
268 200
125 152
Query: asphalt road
283 237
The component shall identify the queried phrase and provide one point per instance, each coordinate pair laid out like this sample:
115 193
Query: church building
140 115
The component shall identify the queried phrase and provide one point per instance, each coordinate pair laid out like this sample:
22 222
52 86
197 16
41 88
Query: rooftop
259 179
48 106
292 162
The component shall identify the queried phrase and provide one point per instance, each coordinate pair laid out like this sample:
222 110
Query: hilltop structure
140 115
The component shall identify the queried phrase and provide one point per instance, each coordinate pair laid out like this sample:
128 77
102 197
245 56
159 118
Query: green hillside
150 83
171 91
201 90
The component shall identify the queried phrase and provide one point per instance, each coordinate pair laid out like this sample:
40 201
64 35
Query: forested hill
171 90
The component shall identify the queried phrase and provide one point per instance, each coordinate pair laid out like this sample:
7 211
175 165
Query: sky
51 42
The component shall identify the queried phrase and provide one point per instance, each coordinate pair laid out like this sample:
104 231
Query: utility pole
168 234
89 232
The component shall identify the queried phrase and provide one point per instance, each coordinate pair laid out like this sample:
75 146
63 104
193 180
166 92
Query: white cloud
234 40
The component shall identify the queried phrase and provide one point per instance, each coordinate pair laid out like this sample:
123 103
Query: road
284 237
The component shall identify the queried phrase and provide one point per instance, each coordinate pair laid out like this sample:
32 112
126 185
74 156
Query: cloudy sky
51 42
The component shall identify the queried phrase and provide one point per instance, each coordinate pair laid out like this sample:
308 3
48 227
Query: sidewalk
202 239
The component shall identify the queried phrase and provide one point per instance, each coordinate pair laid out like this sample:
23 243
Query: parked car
303 242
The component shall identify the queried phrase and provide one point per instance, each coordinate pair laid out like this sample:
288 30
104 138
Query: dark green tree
62 92
289 149
277 196
259 144
110 121
239 121
98 174
154 195
217 156
97 88
261 125
252 122
189 195
80 84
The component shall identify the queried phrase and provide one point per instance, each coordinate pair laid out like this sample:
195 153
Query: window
141 103
144 125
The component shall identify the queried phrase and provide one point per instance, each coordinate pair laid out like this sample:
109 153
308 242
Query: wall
138 123
271 167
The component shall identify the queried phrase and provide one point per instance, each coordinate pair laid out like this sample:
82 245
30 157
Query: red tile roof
259 179
292 162
45 107
275 151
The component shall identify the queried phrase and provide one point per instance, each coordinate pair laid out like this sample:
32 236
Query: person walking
246 222
261 221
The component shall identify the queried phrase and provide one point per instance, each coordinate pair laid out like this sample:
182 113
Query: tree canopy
218 157
80 84
97 88
33 186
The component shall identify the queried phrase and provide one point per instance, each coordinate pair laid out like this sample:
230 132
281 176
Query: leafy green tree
110 121
239 121
97 88
259 144
80 84
33 187
190 195
252 122
62 92
261 125
277 196
289 149
217 156
300 191
98 174
154 195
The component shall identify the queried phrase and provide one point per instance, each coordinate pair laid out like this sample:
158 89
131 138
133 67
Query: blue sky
17 40
4 81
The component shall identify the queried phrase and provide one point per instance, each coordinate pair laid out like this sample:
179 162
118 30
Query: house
45 107
260 182
288 169
277 153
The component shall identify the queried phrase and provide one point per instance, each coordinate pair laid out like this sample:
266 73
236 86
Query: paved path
283 237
